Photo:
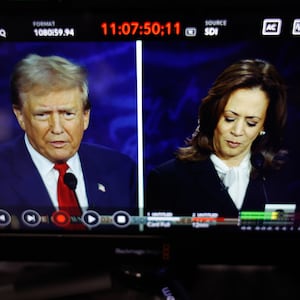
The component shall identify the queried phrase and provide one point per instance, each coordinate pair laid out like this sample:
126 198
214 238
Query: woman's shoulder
178 165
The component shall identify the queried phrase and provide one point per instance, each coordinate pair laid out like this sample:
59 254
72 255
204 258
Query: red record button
61 218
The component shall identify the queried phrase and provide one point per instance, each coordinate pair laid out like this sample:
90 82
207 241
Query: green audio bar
260 215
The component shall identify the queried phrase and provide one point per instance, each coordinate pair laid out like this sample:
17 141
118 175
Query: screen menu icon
272 26
296 27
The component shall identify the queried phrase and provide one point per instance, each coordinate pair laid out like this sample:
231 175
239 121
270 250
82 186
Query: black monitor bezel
160 246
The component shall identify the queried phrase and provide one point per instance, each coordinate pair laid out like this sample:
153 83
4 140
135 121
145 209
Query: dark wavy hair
243 74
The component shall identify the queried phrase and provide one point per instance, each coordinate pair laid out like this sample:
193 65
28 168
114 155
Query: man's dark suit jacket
186 187
21 186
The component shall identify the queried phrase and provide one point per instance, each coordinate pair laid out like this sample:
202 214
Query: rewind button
5 218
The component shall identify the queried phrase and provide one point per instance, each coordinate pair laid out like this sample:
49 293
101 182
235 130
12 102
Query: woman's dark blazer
184 187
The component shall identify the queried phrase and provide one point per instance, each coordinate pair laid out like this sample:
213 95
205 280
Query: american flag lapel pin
101 187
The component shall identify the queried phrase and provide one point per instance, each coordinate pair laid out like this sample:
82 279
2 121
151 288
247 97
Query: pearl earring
262 132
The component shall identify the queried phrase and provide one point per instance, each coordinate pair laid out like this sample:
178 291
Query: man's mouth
58 144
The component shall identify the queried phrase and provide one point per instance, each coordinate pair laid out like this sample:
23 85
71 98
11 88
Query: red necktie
67 200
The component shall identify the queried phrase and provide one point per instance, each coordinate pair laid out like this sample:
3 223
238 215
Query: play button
91 218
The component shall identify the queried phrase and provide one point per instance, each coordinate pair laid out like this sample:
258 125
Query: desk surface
63 282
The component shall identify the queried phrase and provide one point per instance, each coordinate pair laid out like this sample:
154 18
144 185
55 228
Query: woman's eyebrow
236 114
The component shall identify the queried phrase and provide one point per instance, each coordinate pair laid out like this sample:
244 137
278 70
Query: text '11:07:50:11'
135 28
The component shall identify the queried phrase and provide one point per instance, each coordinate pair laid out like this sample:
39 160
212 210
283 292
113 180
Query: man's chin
60 157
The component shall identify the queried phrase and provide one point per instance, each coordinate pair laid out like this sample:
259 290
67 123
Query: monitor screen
151 110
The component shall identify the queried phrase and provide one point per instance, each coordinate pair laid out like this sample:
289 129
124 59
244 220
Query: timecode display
141 29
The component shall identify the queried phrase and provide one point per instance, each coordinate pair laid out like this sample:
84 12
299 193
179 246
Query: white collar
236 179
44 165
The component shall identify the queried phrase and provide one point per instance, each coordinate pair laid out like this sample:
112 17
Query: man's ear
19 115
86 116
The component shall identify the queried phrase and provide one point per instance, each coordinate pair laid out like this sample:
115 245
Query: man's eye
41 116
68 114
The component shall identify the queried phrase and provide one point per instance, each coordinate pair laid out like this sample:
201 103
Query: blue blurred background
112 84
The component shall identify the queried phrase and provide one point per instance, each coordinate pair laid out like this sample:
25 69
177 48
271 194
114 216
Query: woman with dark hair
234 160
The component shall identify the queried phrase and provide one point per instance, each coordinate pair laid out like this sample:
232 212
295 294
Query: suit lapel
212 188
97 188
29 185
254 198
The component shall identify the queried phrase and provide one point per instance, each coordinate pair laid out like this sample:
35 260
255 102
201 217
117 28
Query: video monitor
147 74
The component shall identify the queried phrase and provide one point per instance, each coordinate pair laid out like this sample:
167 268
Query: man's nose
56 123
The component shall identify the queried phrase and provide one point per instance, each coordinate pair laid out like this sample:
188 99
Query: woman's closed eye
249 122
229 119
